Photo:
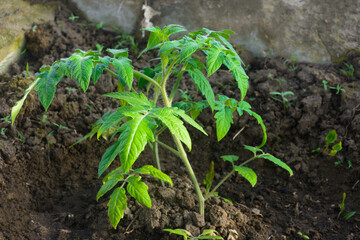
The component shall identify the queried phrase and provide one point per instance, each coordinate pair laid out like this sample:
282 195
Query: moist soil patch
48 189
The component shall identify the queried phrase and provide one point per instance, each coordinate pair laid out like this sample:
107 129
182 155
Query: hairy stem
168 148
185 160
211 193
155 151
176 85
138 74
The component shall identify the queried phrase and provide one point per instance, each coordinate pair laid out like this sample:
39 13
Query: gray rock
17 17
121 13
306 30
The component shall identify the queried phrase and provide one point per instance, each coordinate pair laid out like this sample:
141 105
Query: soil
48 189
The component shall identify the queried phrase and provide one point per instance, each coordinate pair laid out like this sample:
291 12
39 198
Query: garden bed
49 190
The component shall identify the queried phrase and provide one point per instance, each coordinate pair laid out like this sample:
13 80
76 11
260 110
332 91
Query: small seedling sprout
349 72
304 236
284 100
73 17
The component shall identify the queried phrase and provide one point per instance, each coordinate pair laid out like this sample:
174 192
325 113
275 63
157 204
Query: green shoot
338 89
99 47
330 138
280 80
325 84
127 40
342 209
284 100
349 215
349 72
6 119
21 138
245 172
304 236
292 63
73 17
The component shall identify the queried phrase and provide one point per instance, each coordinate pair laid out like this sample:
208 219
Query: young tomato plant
143 117
246 172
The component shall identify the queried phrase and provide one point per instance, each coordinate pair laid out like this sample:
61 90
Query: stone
125 15
310 31
17 17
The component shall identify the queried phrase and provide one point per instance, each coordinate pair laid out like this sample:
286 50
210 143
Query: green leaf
65 67
148 169
169 46
209 177
197 109
139 190
175 125
244 106
331 137
81 69
261 123
233 63
113 174
112 120
125 70
189 120
223 122
209 237
134 137
155 37
108 185
132 98
277 162
209 231
247 173
230 158
173 28
181 232
214 60
337 147
99 68
46 86
195 63
188 49
116 206
18 105
204 86
97 71
254 150
123 53
349 215
109 157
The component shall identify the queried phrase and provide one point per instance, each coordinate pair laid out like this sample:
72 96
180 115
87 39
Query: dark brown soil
48 189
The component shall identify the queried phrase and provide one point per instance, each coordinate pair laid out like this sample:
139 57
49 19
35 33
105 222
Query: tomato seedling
141 118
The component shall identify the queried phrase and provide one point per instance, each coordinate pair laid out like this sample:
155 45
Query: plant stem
138 74
155 151
168 148
185 160
209 194
176 85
